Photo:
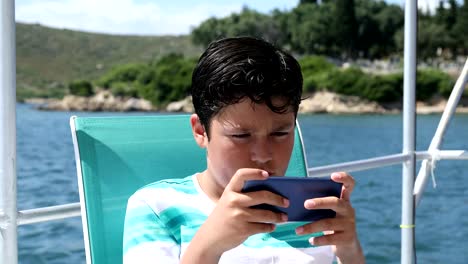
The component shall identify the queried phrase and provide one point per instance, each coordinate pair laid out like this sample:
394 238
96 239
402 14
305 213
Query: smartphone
297 190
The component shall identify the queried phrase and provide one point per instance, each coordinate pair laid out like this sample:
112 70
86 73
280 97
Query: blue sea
47 177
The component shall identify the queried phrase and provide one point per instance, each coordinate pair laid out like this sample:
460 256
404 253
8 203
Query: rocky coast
319 102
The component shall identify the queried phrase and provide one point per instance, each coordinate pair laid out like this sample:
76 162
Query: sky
144 17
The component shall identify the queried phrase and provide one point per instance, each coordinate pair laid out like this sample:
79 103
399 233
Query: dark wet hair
233 69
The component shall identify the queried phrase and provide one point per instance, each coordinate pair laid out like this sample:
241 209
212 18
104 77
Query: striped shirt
163 217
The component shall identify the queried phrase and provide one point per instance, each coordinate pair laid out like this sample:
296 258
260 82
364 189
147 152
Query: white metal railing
383 161
10 218
9 232
409 133
58 212
50 213
449 110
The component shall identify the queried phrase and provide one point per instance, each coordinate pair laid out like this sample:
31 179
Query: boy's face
247 135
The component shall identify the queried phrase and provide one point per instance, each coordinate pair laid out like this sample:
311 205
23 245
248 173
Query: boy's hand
341 230
233 221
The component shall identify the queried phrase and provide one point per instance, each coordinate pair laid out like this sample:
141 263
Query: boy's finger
264 197
255 228
340 206
348 184
242 175
266 216
334 224
330 239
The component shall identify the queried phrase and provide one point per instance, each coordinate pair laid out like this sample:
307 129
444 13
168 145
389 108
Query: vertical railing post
8 227
409 133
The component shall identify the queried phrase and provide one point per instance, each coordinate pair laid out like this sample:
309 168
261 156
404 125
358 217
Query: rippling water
47 176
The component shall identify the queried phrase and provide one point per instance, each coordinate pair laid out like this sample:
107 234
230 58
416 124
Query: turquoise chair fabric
115 156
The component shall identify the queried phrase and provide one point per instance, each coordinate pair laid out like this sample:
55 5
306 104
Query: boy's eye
240 135
280 134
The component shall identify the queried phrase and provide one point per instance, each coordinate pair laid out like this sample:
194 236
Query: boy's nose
261 152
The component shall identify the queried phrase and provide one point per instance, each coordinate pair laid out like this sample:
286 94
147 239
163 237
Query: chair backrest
115 156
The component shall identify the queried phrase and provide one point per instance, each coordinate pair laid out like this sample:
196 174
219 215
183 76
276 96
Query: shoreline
315 103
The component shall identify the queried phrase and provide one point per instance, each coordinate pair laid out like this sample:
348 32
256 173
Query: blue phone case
297 190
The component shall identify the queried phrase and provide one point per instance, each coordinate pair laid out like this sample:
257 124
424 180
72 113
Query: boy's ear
198 130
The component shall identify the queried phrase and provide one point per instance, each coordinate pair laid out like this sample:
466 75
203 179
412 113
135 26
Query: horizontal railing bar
442 154
57 212
48 213
382 161
359 165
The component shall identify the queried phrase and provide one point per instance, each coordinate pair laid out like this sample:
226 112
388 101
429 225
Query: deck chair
115 156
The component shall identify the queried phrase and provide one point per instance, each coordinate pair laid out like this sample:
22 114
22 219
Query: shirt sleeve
146 238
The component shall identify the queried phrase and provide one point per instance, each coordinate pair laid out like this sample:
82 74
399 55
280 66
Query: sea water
47 177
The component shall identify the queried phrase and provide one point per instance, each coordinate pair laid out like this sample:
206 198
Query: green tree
301 2
282 22
252 23
247 23
451 18
440 13
447 17
345 26
208 31
368 28
460 29
390 19
450 23
311 29
431 36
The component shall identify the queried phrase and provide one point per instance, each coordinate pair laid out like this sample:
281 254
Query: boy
246 95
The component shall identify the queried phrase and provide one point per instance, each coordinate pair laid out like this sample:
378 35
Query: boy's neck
212 189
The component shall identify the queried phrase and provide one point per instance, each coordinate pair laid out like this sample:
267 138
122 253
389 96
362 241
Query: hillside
48 58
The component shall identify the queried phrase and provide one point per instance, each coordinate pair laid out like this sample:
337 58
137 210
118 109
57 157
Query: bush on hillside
383 88
432 79
81 88
315 64
315 82
379 88
168 80
314 70
347 82
124 89
127 73
430 82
